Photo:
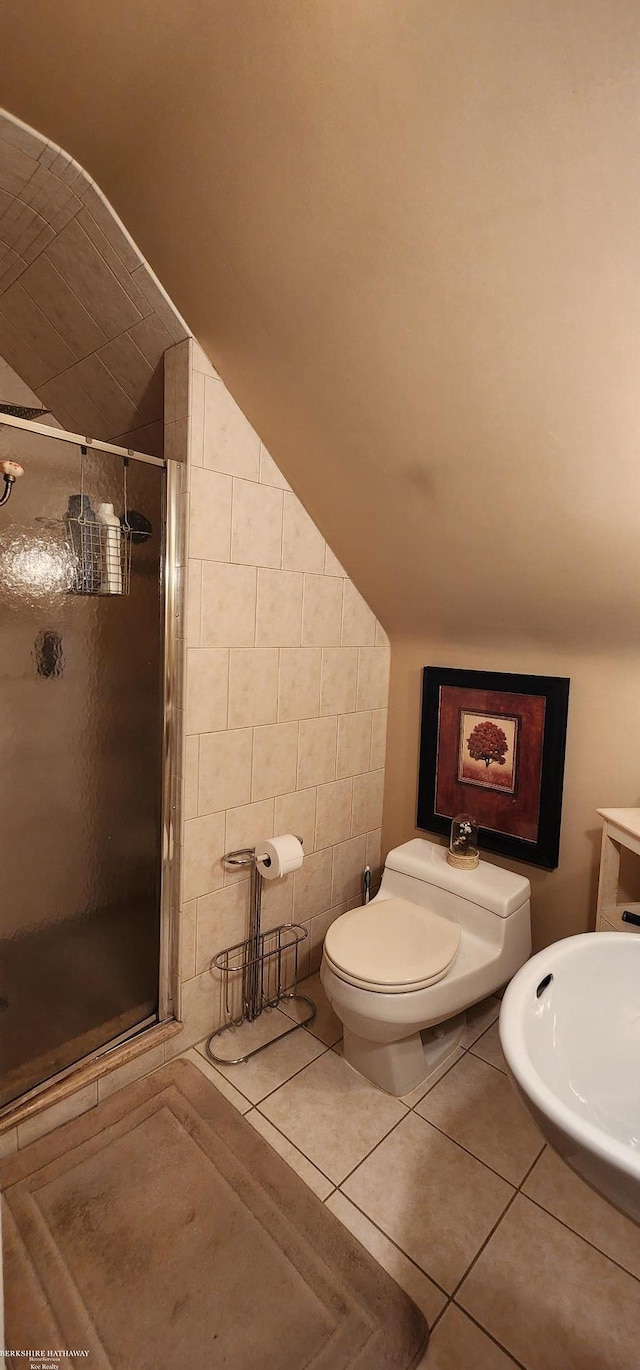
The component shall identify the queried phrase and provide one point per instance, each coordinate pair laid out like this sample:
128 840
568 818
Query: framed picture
492 745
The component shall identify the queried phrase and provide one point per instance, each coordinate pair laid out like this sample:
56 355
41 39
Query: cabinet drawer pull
629 917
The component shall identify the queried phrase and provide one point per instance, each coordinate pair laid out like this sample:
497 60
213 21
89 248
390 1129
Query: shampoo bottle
111 550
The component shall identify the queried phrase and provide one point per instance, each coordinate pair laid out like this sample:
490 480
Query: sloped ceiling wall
406 232
82 320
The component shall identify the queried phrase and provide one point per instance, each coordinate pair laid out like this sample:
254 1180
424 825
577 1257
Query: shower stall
86 704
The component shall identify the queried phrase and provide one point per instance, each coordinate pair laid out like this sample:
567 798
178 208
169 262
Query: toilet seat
391 946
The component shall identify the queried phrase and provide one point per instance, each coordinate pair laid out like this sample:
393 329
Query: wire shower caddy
97 554
260 971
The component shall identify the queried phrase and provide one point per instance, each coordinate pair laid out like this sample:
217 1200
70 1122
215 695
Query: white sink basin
573 1050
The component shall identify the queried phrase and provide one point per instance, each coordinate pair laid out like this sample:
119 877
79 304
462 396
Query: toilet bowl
401 971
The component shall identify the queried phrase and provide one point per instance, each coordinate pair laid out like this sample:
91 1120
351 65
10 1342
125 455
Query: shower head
22 411
11 472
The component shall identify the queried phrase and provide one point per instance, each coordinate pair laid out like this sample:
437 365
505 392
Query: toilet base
398 1067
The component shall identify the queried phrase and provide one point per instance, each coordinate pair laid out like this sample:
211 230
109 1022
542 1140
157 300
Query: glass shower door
81 721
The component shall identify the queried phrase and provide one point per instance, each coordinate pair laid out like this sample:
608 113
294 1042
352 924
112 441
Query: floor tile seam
493 1065
495 1227
473 1156
297 1148
567 1226
369 1153
440 1315
486 1333
485 1243
329 1045
254 1102
431 1087
392 1242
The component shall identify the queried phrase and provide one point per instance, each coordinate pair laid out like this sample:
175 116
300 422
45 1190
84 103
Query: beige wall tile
349 860
187 940
332 566
225 770
358 622
65 311
201 361
202 854
312 886
8 1143
318 931
196 426
190 787
248 826
200 1012
321 611
151 336
210 515
317 751
78 1102
222 920
275 758
230 443
133 1070
299 683
228 605
270 474
378 739
92 280
382 639
373 855
207 689
296 813
303 547
339 678
373 678
256 532
333 813
192 604
279 618
367 802
277 902
354 744
253 686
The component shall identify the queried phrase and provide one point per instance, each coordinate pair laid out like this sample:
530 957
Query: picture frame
492 744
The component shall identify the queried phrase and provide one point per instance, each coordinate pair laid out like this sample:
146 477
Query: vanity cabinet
620 849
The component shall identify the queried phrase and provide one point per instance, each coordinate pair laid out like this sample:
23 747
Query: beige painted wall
285 693
602 764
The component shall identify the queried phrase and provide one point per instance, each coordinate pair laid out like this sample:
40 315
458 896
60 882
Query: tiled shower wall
285 693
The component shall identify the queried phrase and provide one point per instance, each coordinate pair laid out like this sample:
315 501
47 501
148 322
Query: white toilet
401 971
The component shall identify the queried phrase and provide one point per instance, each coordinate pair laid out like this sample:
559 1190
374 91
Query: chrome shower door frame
172 589
88 1067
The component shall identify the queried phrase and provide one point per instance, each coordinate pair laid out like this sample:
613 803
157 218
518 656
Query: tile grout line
495 1227
575 1233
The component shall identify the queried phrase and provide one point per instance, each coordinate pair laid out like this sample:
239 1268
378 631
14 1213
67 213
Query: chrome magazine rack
259 972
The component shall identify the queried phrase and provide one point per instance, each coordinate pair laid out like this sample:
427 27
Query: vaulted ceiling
407 234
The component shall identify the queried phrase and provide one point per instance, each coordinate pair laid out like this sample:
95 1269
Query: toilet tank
419 871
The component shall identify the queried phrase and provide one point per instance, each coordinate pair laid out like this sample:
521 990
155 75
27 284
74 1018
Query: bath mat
159 1231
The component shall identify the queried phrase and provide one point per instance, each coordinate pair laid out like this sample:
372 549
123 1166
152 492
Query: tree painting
488 743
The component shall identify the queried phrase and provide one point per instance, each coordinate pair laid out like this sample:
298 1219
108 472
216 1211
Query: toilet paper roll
280 856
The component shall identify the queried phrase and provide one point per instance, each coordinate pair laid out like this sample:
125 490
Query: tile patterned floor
514 1261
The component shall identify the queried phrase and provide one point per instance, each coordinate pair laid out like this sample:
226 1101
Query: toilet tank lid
490 887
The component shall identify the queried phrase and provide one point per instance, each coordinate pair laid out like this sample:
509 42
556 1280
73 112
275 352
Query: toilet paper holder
260 971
